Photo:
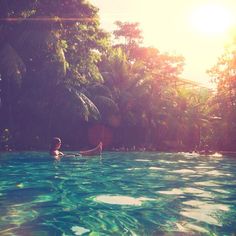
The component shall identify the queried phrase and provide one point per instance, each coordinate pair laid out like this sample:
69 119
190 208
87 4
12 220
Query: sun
212 19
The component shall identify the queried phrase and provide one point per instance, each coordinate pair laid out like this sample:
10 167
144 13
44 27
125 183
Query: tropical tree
224 102
49 54
128 36
139 78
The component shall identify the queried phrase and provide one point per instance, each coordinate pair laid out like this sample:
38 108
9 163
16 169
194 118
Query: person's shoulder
56 153
53 152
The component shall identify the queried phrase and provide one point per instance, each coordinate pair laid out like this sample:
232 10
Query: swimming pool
118 194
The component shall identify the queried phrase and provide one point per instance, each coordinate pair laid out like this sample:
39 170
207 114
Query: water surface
117 194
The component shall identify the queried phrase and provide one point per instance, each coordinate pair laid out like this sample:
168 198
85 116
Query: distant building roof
191 84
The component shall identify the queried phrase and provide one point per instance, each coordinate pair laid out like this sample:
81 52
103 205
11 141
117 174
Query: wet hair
55 142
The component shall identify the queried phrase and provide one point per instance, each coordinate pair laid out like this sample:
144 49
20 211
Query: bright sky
196 29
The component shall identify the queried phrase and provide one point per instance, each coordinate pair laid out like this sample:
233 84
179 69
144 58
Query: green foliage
129 31
46 47
12 66
223 104
59 75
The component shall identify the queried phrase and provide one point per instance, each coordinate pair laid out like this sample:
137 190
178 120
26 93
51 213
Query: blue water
117 194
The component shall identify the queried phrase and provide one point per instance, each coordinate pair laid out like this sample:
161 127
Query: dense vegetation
62 75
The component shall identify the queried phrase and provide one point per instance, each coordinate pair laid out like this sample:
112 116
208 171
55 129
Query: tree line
62 75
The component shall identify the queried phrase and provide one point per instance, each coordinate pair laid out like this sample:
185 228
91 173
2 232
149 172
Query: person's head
56 143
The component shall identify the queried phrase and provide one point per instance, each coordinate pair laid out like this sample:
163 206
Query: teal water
117 194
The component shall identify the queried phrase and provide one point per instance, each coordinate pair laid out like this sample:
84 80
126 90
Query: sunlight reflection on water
118 194
121 200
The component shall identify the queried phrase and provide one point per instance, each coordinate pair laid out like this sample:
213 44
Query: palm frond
88 107
77 103
106 105
99 89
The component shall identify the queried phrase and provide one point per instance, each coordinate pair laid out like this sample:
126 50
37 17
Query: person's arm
72 154
95 151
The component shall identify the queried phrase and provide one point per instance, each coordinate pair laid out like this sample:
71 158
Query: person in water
56 145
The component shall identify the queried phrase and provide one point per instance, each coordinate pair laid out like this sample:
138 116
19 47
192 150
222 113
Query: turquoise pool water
118 194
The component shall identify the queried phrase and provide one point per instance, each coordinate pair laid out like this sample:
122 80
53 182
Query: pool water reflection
117 194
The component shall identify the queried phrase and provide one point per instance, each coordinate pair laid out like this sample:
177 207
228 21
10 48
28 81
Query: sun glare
212 19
